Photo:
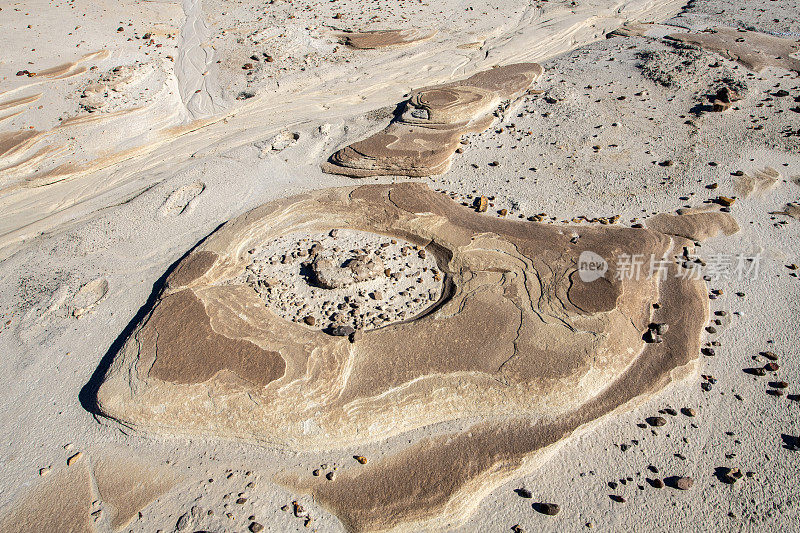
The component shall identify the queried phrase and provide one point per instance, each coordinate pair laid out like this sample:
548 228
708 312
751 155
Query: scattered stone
729 475
725 201
723 99
550 509
656 421
255 527
361 459
688 411
342 331
72 458
684 483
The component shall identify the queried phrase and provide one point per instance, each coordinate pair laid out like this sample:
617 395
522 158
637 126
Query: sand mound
694 224
752 49
531 333
385 38
421 141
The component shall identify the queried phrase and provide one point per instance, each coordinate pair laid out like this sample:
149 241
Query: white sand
97 206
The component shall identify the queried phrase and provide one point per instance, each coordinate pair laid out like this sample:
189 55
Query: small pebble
550 509
656 421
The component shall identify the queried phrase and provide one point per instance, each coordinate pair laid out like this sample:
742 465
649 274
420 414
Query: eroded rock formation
421 141
519 338
752 49
368 40
87 496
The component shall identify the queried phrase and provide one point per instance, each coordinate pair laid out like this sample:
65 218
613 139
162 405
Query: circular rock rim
438 252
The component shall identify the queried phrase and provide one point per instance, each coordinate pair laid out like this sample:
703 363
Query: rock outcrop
421 141
752 49
105 494
368 40
518 339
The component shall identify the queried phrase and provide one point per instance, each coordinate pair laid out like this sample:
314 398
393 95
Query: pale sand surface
119 157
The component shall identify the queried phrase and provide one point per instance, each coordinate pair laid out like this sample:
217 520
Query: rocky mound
421 141
541 329
343 280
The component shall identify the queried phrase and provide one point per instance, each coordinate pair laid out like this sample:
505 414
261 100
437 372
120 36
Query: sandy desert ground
400 265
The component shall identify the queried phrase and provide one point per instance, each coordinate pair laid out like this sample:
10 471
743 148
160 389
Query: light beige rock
757 182
127 486
385 38
752 49
60 503
519 339
694 224
423 139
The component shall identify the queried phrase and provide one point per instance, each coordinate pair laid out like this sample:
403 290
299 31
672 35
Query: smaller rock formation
368 40
421 141
752 49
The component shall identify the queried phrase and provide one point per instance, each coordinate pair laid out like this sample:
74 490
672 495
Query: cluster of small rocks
654 332
344 281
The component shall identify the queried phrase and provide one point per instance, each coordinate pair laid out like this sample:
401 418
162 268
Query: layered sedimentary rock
62 502
126 486
423 138
694 224
368 40
67 501
752 49
529 335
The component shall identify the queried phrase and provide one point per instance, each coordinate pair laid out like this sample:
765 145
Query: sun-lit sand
407 266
